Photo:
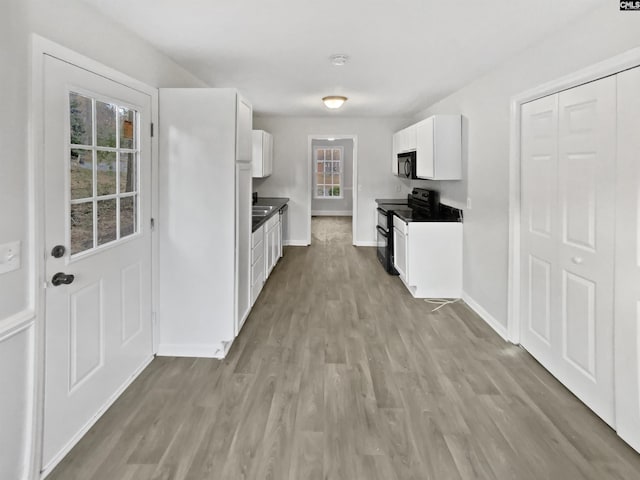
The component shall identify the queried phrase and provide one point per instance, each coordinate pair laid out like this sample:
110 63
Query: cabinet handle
577 260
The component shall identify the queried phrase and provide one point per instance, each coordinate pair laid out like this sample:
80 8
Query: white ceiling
404 54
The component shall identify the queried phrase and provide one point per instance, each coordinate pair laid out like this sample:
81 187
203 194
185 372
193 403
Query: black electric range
421 205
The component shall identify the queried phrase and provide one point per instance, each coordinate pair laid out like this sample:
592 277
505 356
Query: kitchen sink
261 210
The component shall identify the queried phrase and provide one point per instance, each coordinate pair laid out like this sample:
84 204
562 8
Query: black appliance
407 165
421 205
384 231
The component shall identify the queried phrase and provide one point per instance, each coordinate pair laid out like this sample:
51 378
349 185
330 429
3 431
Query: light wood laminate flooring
340 374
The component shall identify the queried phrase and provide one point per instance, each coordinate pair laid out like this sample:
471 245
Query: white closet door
627 298
540 287
586 182
567 239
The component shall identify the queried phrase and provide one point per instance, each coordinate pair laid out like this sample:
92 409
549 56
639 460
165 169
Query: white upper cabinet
244 140
262 157
439 148
394 158
405 140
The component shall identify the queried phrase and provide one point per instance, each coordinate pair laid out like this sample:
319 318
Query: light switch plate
9 257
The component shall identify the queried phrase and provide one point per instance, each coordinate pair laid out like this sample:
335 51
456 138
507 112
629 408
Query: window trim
315 172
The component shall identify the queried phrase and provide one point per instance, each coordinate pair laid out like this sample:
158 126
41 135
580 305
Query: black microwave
407 165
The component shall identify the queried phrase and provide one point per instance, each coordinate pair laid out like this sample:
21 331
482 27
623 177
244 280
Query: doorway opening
332 163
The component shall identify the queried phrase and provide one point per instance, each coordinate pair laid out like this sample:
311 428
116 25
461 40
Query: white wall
291 177
485 106
75 25
344 205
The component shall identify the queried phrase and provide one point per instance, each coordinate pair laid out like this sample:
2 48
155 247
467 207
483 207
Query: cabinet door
256 154
280 236
425 166
400 253
243 242
244 132
396 149
627 263
276 243
410 138
267 253
268 154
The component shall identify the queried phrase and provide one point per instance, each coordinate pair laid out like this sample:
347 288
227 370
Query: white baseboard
331 213
211 350
366 244
296 243
78 436
488 318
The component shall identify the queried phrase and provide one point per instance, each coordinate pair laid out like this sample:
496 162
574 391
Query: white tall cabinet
205 220
580 251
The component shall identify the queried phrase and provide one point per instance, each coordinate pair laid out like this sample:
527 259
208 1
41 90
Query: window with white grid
328 172
103 154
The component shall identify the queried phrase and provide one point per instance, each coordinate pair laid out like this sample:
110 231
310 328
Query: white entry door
97 191
627 299
568 178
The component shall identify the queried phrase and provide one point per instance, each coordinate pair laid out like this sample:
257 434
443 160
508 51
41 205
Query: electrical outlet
398 188
9 257
468 203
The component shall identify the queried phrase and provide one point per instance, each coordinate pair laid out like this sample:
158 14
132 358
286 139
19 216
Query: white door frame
37 252
619 63
354 191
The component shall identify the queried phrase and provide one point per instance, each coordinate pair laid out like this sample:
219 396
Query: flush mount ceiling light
339 59
334 101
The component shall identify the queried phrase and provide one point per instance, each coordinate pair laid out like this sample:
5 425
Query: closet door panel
627 260
586 181
540 229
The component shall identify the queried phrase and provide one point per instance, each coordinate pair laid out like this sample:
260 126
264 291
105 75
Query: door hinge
153 224
152 129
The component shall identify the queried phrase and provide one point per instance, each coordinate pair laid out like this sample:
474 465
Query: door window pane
106 173
105 165
81 227
80 119
336 154
81 170
127 125
107 226
105 124
128 223
127 172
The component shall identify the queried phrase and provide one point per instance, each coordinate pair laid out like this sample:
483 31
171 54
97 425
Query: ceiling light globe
334 101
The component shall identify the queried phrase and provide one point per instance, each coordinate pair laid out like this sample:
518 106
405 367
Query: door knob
577 260
62 279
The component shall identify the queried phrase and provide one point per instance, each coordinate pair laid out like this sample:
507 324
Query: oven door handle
382 231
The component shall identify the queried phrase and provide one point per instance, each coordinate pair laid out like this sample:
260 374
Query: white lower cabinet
272 244
257 263
266 248
428 257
